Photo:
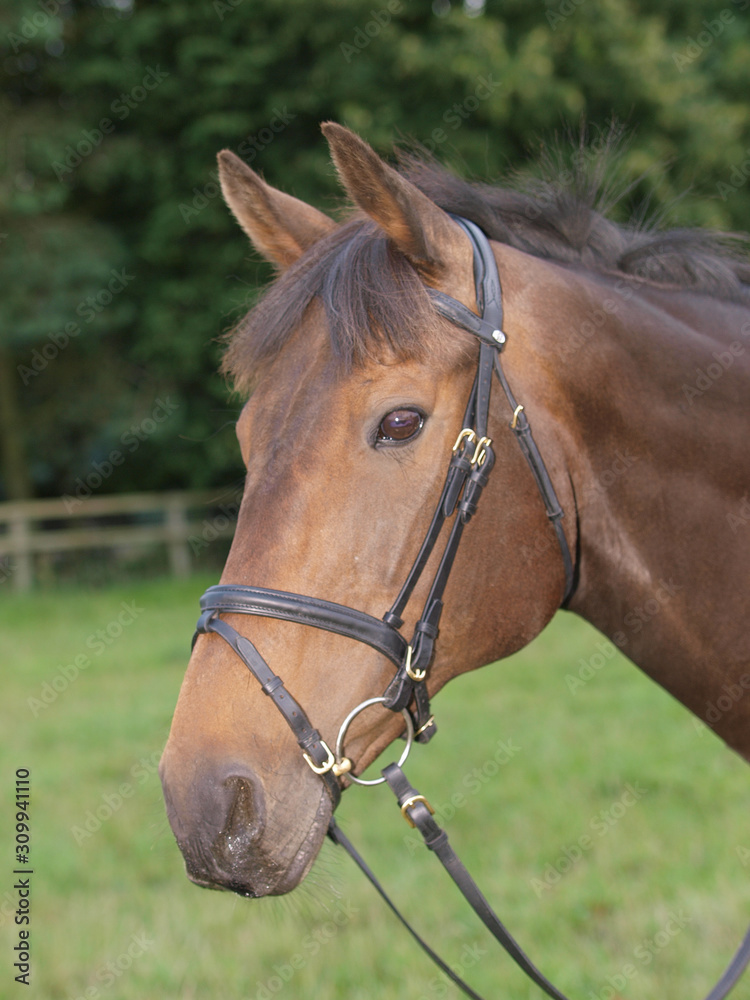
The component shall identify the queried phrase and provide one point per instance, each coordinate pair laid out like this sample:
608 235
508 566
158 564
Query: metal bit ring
347 722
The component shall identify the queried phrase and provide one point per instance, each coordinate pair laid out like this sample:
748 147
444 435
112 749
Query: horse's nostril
244 820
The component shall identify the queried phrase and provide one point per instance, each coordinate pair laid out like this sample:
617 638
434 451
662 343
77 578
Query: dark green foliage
121 267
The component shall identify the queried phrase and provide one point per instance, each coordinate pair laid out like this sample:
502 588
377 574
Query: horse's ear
280 226
422 231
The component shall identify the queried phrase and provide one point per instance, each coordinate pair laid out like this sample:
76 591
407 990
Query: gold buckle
412 802
480 454
516 412
416 675
321 768
481 444
467 434
427 725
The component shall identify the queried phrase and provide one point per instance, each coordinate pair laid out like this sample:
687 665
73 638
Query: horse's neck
660 470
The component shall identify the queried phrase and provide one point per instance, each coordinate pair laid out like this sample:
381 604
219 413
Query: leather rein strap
471 463
418 813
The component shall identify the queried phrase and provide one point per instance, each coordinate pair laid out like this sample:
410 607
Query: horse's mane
374 301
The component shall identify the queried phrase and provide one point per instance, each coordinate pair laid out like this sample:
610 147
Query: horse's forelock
376 308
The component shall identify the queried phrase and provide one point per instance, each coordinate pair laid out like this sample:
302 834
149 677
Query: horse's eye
400 425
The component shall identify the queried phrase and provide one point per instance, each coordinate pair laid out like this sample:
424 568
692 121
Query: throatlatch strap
522 429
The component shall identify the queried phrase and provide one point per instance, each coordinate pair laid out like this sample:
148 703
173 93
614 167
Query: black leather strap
489 327
338 837
522 429
307 611
381 635
414 806
458 471
308 738
467 476
734 970
460 315
436 839
490 333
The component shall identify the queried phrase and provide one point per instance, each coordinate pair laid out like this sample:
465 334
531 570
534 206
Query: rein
471 463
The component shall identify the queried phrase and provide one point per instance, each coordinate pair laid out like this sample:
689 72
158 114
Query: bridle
471 463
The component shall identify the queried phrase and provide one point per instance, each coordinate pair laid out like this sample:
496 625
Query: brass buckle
480 444
321 768
516 412
412 802
416 675
467 434
480 453
430 722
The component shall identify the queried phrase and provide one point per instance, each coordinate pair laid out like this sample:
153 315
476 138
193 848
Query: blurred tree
119 264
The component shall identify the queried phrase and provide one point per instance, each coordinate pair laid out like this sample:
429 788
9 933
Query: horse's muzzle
221 828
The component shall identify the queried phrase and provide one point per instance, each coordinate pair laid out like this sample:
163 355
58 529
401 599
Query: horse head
357 395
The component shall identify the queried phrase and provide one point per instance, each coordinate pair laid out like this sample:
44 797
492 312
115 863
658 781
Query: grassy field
606 826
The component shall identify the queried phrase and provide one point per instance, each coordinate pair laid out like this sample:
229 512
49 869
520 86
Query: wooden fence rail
183 521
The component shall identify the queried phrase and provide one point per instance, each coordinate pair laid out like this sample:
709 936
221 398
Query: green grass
652 905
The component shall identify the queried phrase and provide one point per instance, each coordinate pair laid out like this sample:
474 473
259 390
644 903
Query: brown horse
629 351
